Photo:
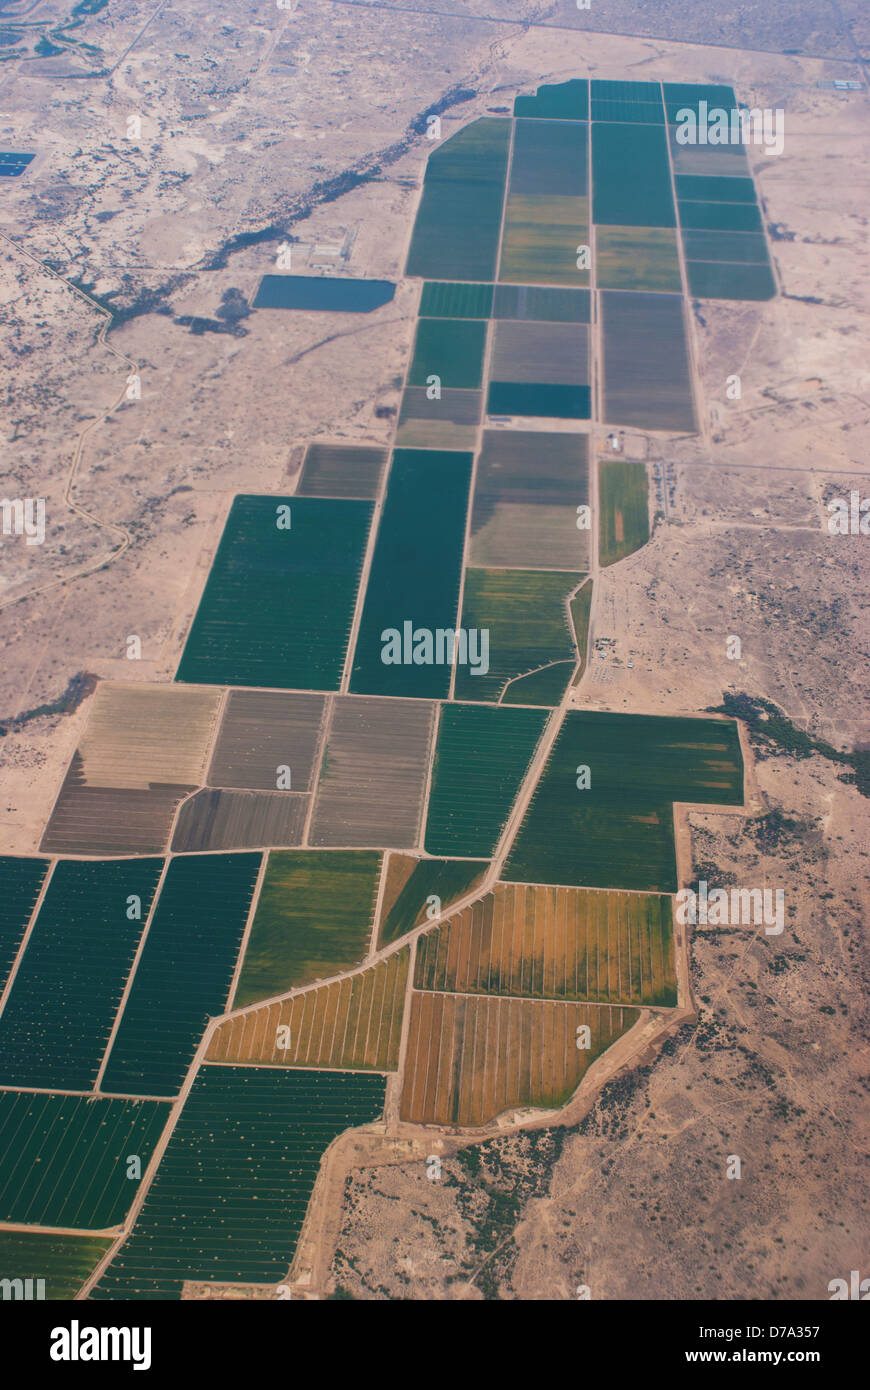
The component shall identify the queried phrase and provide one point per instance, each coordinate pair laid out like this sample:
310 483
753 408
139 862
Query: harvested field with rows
214 819
262 732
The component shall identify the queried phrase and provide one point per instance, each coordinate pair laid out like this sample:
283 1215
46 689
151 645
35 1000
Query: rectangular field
355 1022
470 1059
528 488
279 600
457 226
726 281
215 819
184 973
313 920
549 158
424 514
21 881
143 750
262 732
458 301
341 470
617 831
646 361
631 177
375 766
451 349
481 758
542 238
559 101
60 1010
233 1187
448 422
540 369
637 258
542 304
623 489
63 1159
555 943
526 615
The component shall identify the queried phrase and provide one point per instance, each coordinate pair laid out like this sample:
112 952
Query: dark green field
184 973
63 1159
631 177
457 301
64 1262
457 228
623 509
689 95
727 281
451 349
481 758
618 832
544 687
639 102
721 217
449 879
424 516
233 1187
700 189
742 247
20 884
278 603
313 920
549 157
560 101
539 400
61 1007
526 617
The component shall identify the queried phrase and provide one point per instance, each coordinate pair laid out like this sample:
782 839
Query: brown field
555 943
355 1022
469 1059
551 352
374 773
341 470
399 869
143 750
448 423
262 730
219 819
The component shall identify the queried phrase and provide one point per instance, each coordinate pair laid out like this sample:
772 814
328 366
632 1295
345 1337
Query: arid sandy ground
302 124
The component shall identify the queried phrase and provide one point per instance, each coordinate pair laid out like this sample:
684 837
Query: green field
451 349
631 177
637 258
544 687
63 1159
618 831
560 101
549 157
455 301
627 101
728 281
184 973
709 189
721 217
481 757
448 879
544 400
62 1004
233 1187
415 570
278 603
313 920
542 234
64 1262
581 608
20 884
624 509
525 614
456 232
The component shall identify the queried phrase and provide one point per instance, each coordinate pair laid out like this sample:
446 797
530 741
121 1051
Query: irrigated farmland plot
623 509
143 750
341 470
214 819
540 369
646 360
542 239
59 1013
263 733
64 1262
554 943
526 615
20 884
451 349
373 779
528 488
549 157
424 514
420 889
631 177
637 258
313 919
457 228
184 974
560 101
64 1159
470 1059
355 1022
725 281
481 757
544 687
233 1187
581 609
617 832
636 102
278 603
541 304
439 300
449 421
